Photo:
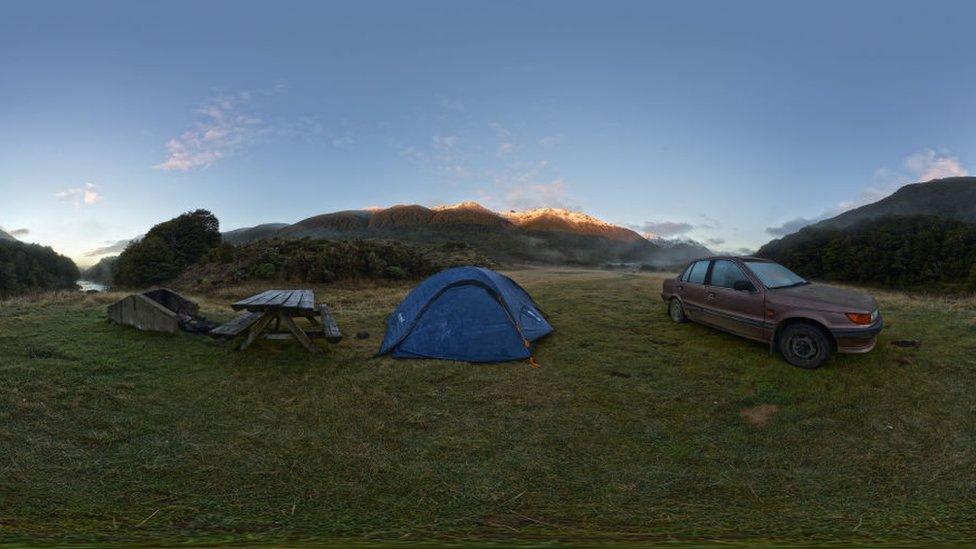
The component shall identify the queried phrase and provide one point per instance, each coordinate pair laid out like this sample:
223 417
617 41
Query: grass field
632 428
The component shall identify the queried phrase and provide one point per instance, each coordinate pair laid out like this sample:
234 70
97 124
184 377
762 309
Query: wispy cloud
88 195
506 142
922 166
222 128
552 140
497 160
929 164
792 226
112 247
663 229
530 196
19 232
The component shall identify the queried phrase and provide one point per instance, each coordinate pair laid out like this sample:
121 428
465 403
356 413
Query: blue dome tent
465 313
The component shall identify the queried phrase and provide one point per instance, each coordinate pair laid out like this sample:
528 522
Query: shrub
263 270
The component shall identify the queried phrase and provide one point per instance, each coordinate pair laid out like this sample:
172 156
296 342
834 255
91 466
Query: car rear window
697 273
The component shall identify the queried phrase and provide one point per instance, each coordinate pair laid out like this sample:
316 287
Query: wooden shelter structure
157 310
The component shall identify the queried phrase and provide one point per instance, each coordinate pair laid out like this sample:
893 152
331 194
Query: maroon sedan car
765 301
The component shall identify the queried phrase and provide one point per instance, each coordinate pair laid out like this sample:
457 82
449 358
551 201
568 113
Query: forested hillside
905 252
30 267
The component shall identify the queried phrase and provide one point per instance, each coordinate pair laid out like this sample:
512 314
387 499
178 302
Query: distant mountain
248 234
4 235
565 221
679 251
547 235
100 272
952 197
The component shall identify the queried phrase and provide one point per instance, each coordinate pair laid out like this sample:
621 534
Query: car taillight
859 318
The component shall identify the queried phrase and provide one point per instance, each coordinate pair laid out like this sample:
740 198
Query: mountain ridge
546 235
952 197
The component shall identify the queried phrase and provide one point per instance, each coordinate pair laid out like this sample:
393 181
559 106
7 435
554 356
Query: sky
727 122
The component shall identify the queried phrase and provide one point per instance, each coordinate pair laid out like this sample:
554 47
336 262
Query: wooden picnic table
282 307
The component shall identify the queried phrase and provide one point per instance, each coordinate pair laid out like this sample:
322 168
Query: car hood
839 298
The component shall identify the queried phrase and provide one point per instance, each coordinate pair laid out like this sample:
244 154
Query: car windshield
774 275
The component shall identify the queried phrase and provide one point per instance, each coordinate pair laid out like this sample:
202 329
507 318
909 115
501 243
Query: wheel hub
804 347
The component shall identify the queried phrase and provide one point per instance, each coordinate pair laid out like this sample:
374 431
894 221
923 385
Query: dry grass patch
759 415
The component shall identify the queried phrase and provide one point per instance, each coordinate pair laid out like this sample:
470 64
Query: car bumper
858 340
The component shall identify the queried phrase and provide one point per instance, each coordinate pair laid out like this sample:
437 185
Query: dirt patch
759 415
615 373
907 343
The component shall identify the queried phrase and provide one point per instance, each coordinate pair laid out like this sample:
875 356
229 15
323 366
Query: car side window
686 272
726 273
697 273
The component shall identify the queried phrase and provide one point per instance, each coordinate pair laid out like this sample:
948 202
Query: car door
692 290
742 311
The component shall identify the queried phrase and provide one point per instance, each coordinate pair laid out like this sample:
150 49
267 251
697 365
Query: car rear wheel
804 345
676 311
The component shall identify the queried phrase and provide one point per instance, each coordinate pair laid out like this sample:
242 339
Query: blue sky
718 121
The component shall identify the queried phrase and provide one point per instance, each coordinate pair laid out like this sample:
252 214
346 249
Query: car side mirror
743 286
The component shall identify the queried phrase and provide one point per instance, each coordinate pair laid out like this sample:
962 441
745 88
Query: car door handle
710 295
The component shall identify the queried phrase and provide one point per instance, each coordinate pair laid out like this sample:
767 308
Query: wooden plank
236 326
255 300
270 299
329 326
294 300
308 301
256 329
299 334
282 336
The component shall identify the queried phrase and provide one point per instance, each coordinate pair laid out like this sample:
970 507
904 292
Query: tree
168 249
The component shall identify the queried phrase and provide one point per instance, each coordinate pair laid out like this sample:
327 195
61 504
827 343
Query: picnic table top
296 301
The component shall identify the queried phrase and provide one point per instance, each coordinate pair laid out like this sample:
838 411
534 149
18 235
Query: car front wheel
804 345
676 311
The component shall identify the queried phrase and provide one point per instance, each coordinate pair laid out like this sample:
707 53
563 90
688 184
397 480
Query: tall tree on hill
168 249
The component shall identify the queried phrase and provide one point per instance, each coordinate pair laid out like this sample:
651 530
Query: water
89 286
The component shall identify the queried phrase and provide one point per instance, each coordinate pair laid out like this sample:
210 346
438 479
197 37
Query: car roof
733 257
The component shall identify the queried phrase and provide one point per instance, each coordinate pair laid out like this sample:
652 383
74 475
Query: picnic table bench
282 307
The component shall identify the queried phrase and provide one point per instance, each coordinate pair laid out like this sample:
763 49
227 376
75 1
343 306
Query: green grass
629 430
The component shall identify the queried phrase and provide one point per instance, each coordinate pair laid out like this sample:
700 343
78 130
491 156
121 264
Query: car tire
677 311
804 345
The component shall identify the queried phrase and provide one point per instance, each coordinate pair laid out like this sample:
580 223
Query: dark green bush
263 270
